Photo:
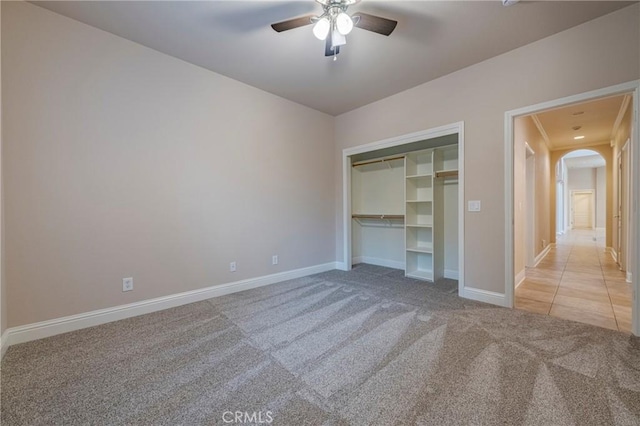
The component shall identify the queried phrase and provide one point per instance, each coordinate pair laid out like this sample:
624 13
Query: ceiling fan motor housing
334 24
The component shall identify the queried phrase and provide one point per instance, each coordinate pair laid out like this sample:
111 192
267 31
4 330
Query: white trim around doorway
592 193
632 87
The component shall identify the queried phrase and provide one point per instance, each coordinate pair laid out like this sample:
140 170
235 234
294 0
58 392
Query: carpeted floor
362 347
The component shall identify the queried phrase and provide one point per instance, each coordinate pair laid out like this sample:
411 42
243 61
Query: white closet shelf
419 225
428 250
419 201
424 175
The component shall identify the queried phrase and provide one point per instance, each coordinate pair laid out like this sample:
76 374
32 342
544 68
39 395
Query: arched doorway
581 193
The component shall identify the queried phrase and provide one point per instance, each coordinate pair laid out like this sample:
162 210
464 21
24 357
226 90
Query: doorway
582 209
587 217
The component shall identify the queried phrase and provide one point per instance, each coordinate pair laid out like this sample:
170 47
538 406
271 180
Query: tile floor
578 281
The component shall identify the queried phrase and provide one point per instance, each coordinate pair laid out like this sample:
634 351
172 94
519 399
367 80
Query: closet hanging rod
378 216
377 160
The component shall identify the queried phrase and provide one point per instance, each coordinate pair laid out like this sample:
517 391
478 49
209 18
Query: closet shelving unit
425 175
419 214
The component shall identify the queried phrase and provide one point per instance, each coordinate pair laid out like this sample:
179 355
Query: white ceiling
233 38
595 120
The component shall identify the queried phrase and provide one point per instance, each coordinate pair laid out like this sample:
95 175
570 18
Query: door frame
618 216
592 194
530 207
449 129
561 208
626 212
633 88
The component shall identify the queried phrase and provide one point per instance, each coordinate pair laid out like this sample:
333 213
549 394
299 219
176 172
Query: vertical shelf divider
425 175
419 215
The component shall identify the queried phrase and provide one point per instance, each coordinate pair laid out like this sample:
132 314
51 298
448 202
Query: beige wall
525 131
519 193
597 54
582 178
601 197
121 161
545 179
620 138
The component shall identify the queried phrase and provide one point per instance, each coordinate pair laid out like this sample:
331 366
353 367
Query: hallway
578 281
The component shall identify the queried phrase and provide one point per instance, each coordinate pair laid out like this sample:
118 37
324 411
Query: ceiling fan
334 24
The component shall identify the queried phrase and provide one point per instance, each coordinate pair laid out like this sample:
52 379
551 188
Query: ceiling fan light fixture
344 23
334 24
321 28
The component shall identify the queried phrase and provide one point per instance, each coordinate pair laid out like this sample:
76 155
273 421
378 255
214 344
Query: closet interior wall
377 191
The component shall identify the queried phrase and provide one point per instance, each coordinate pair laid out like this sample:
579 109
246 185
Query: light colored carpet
362 347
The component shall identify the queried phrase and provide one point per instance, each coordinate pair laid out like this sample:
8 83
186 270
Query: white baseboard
452 274
28 332
629 277
612 252
542 255
341 266
484 296
378 262
520 276
4 343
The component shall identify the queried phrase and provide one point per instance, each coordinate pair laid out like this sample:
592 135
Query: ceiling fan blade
292 23
328 50
376 24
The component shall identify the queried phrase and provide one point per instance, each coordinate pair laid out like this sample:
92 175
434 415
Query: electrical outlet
232 267
127 284
274 259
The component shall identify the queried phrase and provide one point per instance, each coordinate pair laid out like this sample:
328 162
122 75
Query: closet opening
402 204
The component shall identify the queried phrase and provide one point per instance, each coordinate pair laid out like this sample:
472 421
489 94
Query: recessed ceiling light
578 137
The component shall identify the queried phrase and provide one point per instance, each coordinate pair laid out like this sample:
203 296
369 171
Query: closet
405 212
